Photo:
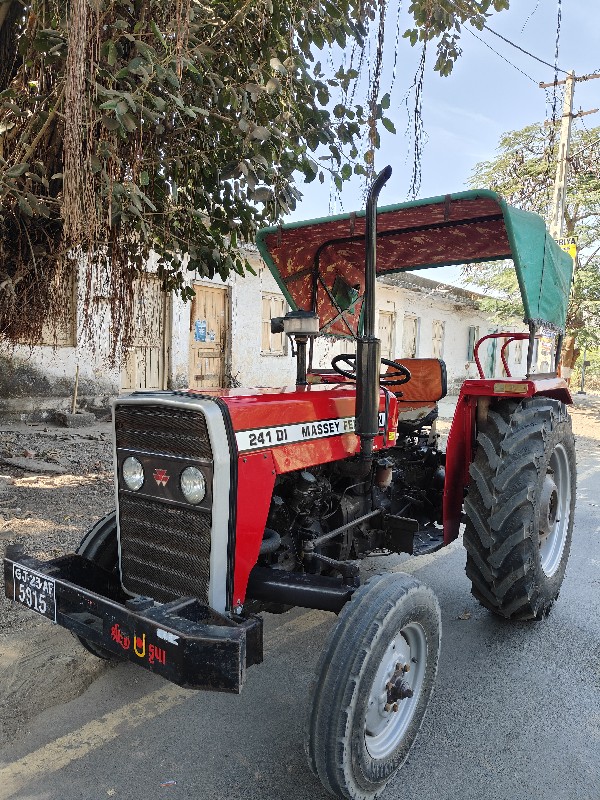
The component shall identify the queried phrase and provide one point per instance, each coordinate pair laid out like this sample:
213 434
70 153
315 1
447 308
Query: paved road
515 714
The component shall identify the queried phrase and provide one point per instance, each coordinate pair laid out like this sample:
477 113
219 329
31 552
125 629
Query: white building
223 338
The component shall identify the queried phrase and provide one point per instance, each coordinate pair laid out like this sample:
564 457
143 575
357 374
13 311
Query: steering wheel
399 375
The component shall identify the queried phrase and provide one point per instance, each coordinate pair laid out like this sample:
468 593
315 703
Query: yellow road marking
96 733
77 744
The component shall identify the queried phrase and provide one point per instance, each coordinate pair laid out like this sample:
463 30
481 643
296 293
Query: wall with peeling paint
28 374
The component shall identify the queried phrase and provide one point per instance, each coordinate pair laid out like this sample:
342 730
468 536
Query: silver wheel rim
385 729
556 511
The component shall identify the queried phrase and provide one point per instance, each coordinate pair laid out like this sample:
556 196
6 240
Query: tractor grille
165 548
164 430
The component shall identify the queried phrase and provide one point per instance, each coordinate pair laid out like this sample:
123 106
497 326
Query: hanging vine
174 128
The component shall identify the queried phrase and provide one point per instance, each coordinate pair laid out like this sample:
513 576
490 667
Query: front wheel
373 684
100 546
520 507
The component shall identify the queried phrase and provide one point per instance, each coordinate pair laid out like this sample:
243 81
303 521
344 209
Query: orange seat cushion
427 383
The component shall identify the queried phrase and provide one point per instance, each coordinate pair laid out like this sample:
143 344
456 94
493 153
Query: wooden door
145 363
410 337
209 329
386 334
437 338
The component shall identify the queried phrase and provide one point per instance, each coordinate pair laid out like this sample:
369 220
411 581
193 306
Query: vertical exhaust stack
368 349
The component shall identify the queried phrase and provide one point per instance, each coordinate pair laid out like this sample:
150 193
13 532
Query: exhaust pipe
368 348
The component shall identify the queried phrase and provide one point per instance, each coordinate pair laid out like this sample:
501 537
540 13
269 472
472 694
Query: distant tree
523 172
177 127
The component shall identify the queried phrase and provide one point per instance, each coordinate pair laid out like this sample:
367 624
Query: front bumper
185 642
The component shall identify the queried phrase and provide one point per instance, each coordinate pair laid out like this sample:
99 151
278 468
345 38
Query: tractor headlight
193 485
133 473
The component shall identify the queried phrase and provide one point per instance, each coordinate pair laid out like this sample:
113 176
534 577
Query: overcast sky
466 113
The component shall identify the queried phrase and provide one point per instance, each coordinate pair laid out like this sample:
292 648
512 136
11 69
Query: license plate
35 591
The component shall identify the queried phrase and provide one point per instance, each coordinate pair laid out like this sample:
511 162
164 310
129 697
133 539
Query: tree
175 127
523 172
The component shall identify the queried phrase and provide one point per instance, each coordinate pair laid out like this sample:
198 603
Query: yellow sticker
514 388
391 436
569 245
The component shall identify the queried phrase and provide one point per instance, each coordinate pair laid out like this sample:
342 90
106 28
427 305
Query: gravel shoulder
48 514
42 665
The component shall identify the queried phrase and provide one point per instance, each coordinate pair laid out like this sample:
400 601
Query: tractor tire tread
500 507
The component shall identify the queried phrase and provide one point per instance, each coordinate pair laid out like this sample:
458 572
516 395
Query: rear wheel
520 507
373 684
100 546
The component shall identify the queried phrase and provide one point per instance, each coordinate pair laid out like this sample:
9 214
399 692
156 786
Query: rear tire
100 546
355 745
520 507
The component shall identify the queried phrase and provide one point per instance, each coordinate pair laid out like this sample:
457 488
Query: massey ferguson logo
161 477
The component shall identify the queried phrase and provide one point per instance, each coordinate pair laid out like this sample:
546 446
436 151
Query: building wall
434 303
30 373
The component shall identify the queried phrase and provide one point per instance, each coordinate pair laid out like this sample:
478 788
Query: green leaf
25 207
111 52
110 123
388 124
277 66
273 86
385 101
346 172
17 170
128 122
144 178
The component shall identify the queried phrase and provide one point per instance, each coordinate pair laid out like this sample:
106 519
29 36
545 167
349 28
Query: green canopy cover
319 264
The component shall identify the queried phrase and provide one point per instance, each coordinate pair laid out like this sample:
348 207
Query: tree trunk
569 356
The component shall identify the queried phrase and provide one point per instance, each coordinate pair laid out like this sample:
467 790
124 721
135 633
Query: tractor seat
418 398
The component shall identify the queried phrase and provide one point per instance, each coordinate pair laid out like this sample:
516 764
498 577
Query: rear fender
462 439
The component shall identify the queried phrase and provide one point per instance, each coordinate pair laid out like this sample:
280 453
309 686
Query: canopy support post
531 347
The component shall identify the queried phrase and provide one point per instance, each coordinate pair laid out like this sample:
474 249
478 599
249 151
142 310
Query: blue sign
200 330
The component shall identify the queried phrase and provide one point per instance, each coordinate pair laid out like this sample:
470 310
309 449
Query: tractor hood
320 264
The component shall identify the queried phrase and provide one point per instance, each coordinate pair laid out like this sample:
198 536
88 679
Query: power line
501 56
512 44
527 53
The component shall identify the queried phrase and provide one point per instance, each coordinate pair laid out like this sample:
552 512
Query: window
518 351
386 333
472 341
437 338
410 337
273 344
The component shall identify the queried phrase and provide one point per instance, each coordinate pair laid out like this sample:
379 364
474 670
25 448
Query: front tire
520 507
100 546
356 739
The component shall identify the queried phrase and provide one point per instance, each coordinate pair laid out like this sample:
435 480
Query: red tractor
236 501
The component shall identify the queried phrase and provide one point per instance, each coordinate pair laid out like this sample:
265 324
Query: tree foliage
523 172
175 127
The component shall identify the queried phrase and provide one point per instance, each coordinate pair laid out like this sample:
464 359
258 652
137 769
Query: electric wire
518 47
537 5
527 53
501 56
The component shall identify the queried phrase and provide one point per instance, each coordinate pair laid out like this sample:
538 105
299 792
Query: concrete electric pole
557 215
559 198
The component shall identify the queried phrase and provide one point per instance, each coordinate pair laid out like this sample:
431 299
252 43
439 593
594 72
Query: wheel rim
385 729
555 511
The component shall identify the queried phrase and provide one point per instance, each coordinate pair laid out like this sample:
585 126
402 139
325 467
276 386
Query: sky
466 113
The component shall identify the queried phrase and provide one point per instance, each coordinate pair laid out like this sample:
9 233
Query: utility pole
562 165
557 215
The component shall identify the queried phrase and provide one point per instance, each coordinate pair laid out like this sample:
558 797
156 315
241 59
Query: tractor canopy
320 264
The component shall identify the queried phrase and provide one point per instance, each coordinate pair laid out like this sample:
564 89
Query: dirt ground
48 514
